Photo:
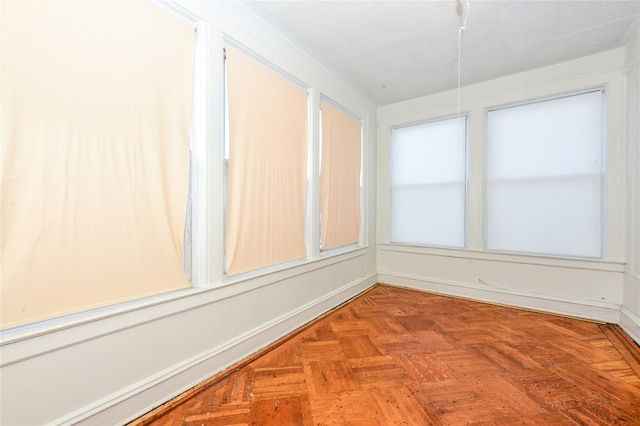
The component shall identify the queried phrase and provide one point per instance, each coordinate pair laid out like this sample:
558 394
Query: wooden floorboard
394 356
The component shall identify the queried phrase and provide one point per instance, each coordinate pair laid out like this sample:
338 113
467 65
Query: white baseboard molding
630 323
134 401
593 310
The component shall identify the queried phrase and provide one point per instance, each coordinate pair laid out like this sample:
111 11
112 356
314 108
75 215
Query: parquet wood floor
395 356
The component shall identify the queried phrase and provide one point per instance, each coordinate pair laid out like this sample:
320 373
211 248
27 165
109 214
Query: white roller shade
544 177
428 183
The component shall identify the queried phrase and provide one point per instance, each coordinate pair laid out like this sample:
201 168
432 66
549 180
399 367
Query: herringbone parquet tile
395 356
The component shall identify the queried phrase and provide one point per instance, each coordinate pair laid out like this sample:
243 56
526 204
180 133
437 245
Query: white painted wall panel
583 281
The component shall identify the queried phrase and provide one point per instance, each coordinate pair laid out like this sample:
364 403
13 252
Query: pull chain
460 30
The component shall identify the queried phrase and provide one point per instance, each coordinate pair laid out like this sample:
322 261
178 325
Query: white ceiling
398 50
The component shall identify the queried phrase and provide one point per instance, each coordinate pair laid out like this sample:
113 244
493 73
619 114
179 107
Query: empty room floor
395 356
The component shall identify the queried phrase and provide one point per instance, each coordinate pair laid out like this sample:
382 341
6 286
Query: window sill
290 269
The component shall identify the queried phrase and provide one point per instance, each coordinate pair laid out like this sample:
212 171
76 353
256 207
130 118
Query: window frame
467 157
194 221
331 251
281 72
602 172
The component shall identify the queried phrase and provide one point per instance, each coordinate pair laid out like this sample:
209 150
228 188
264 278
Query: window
339 178
95 154
267 166
544 175
428 183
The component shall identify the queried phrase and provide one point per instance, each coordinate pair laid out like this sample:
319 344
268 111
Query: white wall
630 312
112 365
579 287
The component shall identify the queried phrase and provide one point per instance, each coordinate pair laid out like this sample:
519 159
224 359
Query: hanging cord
460 30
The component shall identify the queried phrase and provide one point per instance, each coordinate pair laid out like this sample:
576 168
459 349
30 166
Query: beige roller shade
268 137
340 178
96 116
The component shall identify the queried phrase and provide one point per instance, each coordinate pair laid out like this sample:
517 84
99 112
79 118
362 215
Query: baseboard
630 323
134 401
593 310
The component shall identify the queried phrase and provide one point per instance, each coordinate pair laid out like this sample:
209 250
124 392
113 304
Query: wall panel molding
504 257
587 309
